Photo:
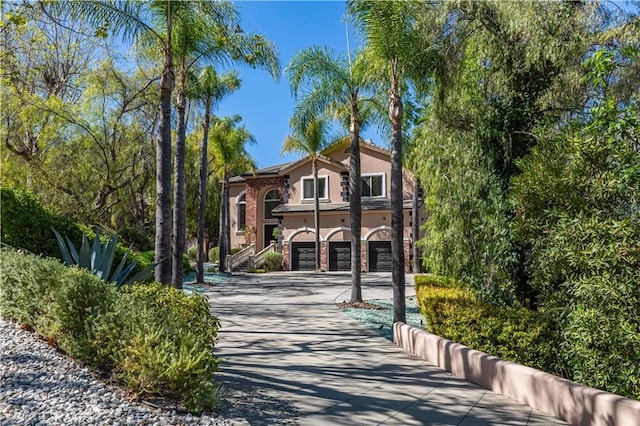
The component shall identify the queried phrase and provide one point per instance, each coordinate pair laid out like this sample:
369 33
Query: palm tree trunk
316 210
415 227
397 226
179 220
355 207
222 267
227 213
163 176
203 192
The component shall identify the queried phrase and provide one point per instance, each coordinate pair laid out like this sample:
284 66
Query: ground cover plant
154 339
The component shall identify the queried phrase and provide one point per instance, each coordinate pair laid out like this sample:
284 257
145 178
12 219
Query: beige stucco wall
332 173
570 401
376 226
373 161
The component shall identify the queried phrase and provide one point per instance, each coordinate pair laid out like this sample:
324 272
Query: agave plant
98 258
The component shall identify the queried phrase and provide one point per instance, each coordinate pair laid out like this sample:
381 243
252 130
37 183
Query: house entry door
268 234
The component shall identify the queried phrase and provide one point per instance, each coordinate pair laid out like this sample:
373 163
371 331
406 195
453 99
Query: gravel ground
40 386
381 320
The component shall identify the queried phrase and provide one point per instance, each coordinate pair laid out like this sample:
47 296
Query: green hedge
154 339
513 334
27 225
434 280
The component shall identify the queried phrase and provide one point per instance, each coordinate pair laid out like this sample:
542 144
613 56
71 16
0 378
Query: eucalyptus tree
209 33
208 89
392 38
229 138
333 85
311 138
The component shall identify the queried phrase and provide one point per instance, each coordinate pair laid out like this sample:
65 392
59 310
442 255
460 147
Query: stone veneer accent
254 187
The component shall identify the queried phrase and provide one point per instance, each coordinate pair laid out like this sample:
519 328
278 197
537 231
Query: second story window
271 201
241 222
373 185
307 188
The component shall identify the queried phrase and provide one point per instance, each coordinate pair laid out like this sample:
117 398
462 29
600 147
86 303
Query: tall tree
138 21
310 138
513 75
335 86
209 89
229 139
390 31
209 33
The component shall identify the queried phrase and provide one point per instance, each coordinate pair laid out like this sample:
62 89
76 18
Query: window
241 210
271 201
307 188
373 185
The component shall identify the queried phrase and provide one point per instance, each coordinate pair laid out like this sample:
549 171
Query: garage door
303 256
380 256
340 256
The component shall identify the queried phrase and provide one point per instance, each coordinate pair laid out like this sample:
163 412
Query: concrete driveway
289 356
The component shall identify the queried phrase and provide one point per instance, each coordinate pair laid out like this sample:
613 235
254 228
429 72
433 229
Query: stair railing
258 259
235 260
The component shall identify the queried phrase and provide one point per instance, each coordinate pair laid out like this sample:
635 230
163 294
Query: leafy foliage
273 261
214 254
155 339
514 334
26 224
580 214
169 342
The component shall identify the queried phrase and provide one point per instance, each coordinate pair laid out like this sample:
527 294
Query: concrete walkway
289 356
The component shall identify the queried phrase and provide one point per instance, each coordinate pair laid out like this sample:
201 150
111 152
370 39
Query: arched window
241 210
271 201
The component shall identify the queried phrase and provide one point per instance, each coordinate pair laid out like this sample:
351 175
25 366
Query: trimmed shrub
169 344
27 285
272 261
434 280
58 302
214 254
192 253
513 334
154 338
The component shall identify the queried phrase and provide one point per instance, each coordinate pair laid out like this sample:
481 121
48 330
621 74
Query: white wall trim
336 230
326 187
299 230
376 229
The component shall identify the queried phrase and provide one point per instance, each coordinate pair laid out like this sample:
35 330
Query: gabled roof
321 158
345 143
282 169
266 171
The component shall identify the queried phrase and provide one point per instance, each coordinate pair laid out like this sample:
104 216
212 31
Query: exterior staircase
247 258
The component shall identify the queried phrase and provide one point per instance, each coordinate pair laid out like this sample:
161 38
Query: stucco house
274 205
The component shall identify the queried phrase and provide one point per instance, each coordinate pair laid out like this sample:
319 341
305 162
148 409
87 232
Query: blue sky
264 105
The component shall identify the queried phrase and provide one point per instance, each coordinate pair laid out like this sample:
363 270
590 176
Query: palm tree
153 23
210 88
310 138
337 87
229 139
197 41
138 21
392 38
